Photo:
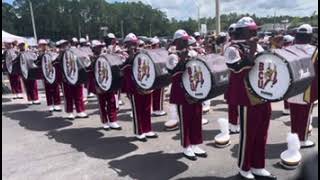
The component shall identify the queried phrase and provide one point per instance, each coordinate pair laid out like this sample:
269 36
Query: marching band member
140 101
52 90
234 126
190 113
158 94
73 94
254 116
14 78
31 86
107 100
301 106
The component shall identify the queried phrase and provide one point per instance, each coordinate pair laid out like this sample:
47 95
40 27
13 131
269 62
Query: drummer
190 113
73 94
254 117
52 90
140 101
14 78
107 100
301 106
158 94
31 86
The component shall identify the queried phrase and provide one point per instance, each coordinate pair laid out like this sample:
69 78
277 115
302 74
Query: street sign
204 29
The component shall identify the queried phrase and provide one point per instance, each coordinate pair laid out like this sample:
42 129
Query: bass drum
107 72
74 66
280 74
29 69
11 62
149 69
48 69
205 77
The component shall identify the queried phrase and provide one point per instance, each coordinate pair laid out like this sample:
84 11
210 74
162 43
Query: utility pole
33 23
198 6
150 32
122 33
218 27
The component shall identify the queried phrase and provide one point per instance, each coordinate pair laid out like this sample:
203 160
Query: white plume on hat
42 41
96 43
246 22
111 36
82 40
130 37
191 40
305 28
180 34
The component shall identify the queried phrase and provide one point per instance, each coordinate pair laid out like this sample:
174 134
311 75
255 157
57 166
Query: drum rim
63 71
42 66
135 81
95 80
199 58
250 88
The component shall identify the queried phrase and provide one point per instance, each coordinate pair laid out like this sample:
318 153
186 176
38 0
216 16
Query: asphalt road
38 145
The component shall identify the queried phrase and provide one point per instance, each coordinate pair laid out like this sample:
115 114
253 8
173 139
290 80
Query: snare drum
48 69
205 77
29 69
74 64
107 72
280 74
149 69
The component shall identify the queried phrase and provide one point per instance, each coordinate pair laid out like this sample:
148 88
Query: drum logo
143 70
71 66
102 73
49 69
195 77
268 76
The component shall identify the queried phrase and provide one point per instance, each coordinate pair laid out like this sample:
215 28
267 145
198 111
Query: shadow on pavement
38 120
208 135
92 143
13 107
221 109
276 114
315 122
155 166
217 102
4 100
236 177
273 151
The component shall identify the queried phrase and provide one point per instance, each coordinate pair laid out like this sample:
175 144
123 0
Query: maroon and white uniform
15 80
301 106
254 118
190 114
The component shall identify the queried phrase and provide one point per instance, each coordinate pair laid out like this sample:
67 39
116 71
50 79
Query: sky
183 9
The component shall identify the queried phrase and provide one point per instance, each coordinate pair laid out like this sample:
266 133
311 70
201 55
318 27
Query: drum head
197 79
144 71
49 71
70 67
24 66
270 78
102 73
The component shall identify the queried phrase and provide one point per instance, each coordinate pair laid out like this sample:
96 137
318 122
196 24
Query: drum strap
307 93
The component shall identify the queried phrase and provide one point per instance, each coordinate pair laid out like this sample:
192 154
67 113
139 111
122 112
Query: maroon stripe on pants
254 123
107 106
91 86
157 100
233 114
141 107
286 104
52 93
190 116
300 119
31 87
73 95
15 83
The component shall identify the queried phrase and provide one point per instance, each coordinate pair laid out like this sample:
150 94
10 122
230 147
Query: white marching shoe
246 174
106 126
198 151
291 158
286 112
151 135
37 102
57 108
159 113
141 137
82 115
115 126
307 144
262 174
223 139
189 154
70 116
171 125
19 96
121 103
51 109
234 129
90 95
204 121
